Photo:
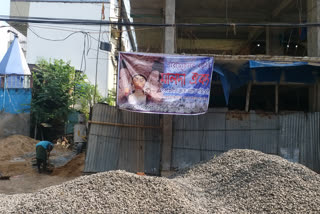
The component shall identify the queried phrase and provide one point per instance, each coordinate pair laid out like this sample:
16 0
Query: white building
77 44
7 34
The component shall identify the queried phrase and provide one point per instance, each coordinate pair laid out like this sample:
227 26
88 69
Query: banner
164 84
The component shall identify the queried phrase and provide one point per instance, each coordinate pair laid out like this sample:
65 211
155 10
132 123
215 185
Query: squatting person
43 149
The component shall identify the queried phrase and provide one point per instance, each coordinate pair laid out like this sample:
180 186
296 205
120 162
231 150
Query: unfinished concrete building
269 51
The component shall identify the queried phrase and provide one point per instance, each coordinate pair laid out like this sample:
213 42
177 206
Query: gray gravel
238 181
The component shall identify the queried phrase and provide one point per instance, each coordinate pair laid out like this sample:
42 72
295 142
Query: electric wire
104 22
55 40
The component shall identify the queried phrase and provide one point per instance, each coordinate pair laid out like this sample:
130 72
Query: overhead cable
104 22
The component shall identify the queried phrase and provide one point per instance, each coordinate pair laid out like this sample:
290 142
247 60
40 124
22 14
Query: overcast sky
5 7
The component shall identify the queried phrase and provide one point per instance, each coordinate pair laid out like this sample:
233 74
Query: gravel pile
248 181
110 192
239 181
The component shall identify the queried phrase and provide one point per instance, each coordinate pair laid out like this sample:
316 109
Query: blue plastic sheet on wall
15 101
263 64
235 75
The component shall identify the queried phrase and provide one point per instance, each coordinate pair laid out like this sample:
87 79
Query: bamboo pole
123 125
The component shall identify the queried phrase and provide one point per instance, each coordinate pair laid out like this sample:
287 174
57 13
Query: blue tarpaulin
15 101
14 98
263 64
298 72
237 73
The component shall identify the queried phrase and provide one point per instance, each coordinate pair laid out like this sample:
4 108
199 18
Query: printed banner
164 84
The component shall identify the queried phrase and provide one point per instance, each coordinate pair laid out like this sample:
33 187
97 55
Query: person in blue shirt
43 149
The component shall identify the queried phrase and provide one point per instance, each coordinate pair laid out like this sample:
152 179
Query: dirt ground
17 153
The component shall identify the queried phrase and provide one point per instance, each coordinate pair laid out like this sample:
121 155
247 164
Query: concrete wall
71 48
313 32
11 124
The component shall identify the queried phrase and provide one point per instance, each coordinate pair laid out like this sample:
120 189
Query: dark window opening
262 98
293 98
217 99
237 99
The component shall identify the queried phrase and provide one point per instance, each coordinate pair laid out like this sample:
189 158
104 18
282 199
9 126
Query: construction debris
3 177
64 142
239 181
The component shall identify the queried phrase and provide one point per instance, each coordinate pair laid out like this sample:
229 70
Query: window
294 98
262 98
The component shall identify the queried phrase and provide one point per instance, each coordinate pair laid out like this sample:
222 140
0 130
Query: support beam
281 6
248 96
277 98
313 8
273 46
126 19
167 122
169 44
317 100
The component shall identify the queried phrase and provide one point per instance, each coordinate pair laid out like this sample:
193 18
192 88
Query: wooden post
248 96
277 98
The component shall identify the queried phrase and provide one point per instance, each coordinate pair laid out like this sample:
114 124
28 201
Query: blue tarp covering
263 64
13 68
15 101
238 73
298 72
235 75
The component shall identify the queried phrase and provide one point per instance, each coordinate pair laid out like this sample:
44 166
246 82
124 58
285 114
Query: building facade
273 109
77 44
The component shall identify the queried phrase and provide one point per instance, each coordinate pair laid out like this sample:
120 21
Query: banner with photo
164 84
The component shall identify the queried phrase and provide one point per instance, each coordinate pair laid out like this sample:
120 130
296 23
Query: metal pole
97 61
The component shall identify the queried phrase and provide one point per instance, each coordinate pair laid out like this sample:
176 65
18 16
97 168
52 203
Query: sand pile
239 181
73 168
18 151
16 145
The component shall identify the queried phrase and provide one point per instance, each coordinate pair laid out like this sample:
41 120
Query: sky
5 7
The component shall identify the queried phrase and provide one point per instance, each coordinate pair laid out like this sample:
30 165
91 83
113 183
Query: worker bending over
43 149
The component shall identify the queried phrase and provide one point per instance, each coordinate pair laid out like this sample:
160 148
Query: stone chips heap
238 181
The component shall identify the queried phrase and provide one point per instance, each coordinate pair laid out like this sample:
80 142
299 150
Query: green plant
57 89
111 98
53 84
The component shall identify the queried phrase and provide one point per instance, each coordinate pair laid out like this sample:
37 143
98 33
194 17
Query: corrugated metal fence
123 140
137 146
294 136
